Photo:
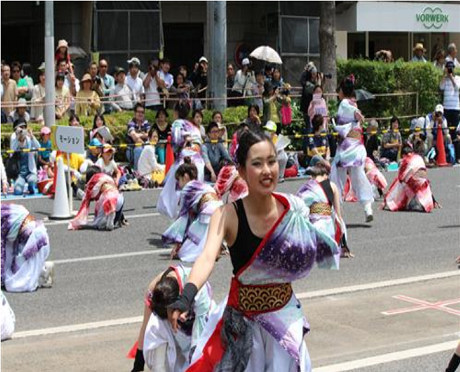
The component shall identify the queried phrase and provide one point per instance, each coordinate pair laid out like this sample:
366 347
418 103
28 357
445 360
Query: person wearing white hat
245 79
134 80
19 112
199 77
62 53
432 121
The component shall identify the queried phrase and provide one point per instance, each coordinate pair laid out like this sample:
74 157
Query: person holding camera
450 85
432 122
244 79
309 80
152 84
24 139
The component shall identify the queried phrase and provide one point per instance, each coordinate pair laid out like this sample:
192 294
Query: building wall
341 43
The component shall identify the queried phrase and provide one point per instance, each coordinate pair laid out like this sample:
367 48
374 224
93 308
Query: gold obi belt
321 208
254 299
354 133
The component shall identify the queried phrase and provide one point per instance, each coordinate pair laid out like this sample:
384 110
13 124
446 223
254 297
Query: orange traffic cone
441 159
169 156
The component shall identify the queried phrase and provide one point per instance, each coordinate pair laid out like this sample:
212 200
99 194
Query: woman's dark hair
317 86
164 294
59 76
161 110
406 148
95 119
187 168
91 171
246 141
348 87
317 122
182 75
151 131
211 125
182 108
197 111
217 113
137 105
393 119
72 117
255 107
319 169
27 69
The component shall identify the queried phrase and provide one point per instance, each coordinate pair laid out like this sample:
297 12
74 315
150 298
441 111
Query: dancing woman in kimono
158 346
411 190
351 153
322 197
25 247
375 177
198 201
108 212
186 142
260 326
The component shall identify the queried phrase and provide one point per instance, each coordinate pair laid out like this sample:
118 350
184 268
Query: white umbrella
267 54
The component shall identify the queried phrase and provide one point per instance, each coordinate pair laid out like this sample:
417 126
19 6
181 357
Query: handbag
13 166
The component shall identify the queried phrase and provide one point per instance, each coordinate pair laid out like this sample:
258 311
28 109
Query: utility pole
50 95
217 38
327 44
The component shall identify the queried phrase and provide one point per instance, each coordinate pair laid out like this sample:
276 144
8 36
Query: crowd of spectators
103 90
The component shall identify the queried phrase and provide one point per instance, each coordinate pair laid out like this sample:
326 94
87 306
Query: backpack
13 166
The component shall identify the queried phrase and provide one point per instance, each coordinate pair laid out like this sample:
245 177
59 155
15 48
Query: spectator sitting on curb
149 170
94 150
392 141
372 141
432 121
214 152
138 130
45 143
318 144
20 112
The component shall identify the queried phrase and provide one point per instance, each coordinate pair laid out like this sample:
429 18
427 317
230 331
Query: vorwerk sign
432 18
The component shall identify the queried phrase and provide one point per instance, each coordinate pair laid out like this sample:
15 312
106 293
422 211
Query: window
299 36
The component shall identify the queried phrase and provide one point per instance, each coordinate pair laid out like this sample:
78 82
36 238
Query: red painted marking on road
424 305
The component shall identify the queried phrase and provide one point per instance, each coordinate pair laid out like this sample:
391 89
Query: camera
327 76
450 70
97 80
21 132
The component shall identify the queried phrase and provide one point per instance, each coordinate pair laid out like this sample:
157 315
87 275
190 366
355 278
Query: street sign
70 139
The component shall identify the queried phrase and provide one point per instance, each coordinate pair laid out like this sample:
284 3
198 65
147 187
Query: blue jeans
133 154
19 184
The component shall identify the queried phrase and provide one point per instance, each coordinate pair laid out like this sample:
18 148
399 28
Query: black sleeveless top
326 185
246 242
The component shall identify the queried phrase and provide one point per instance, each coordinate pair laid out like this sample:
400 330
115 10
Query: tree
327 47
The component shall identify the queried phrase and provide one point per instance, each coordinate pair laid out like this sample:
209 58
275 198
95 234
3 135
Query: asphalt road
102 276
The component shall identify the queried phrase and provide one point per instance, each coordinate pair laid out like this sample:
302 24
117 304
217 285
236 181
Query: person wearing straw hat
88 102
20 112
62 53
419 50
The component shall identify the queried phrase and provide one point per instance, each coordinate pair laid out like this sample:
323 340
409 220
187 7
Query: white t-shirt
148 161
107 169
451 91
152 97
167 78
455 60
136 86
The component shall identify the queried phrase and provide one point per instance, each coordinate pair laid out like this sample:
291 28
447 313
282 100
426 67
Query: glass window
300 35
112 31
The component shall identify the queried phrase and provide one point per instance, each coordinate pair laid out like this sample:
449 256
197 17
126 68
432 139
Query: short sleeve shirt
132 126
321 143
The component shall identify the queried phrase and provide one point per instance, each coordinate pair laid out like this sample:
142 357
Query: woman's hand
176 316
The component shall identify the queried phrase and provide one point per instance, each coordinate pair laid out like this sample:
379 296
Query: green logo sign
432 18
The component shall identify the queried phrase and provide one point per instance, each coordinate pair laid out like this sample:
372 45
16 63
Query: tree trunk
327 47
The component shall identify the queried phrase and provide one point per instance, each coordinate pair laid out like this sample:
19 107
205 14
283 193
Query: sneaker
369 218
368 212
46 278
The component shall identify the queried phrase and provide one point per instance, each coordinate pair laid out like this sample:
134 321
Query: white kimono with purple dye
25 248
168 202
287 253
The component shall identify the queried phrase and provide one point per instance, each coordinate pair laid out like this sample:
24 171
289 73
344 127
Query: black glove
185 300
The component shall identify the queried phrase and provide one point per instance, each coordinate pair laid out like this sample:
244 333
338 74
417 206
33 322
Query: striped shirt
451 92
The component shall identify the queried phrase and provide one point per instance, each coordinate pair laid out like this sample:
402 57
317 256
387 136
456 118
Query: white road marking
138 319
78 327
49 222
388 358
375 285
119 255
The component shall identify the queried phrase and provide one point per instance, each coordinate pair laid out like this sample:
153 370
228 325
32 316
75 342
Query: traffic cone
169 156
61 209
441 159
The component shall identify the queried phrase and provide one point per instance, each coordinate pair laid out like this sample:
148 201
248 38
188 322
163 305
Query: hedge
380 77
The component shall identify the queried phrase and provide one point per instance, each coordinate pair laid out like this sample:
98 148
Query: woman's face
179 80
261 170
252 113
214 134
154 137
59 83
107 156
161 117
197 119
42 79
217 118
99 122
318 90
395 125
95 150
87 85
276 74
182 181
62 50
46 137
74 122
